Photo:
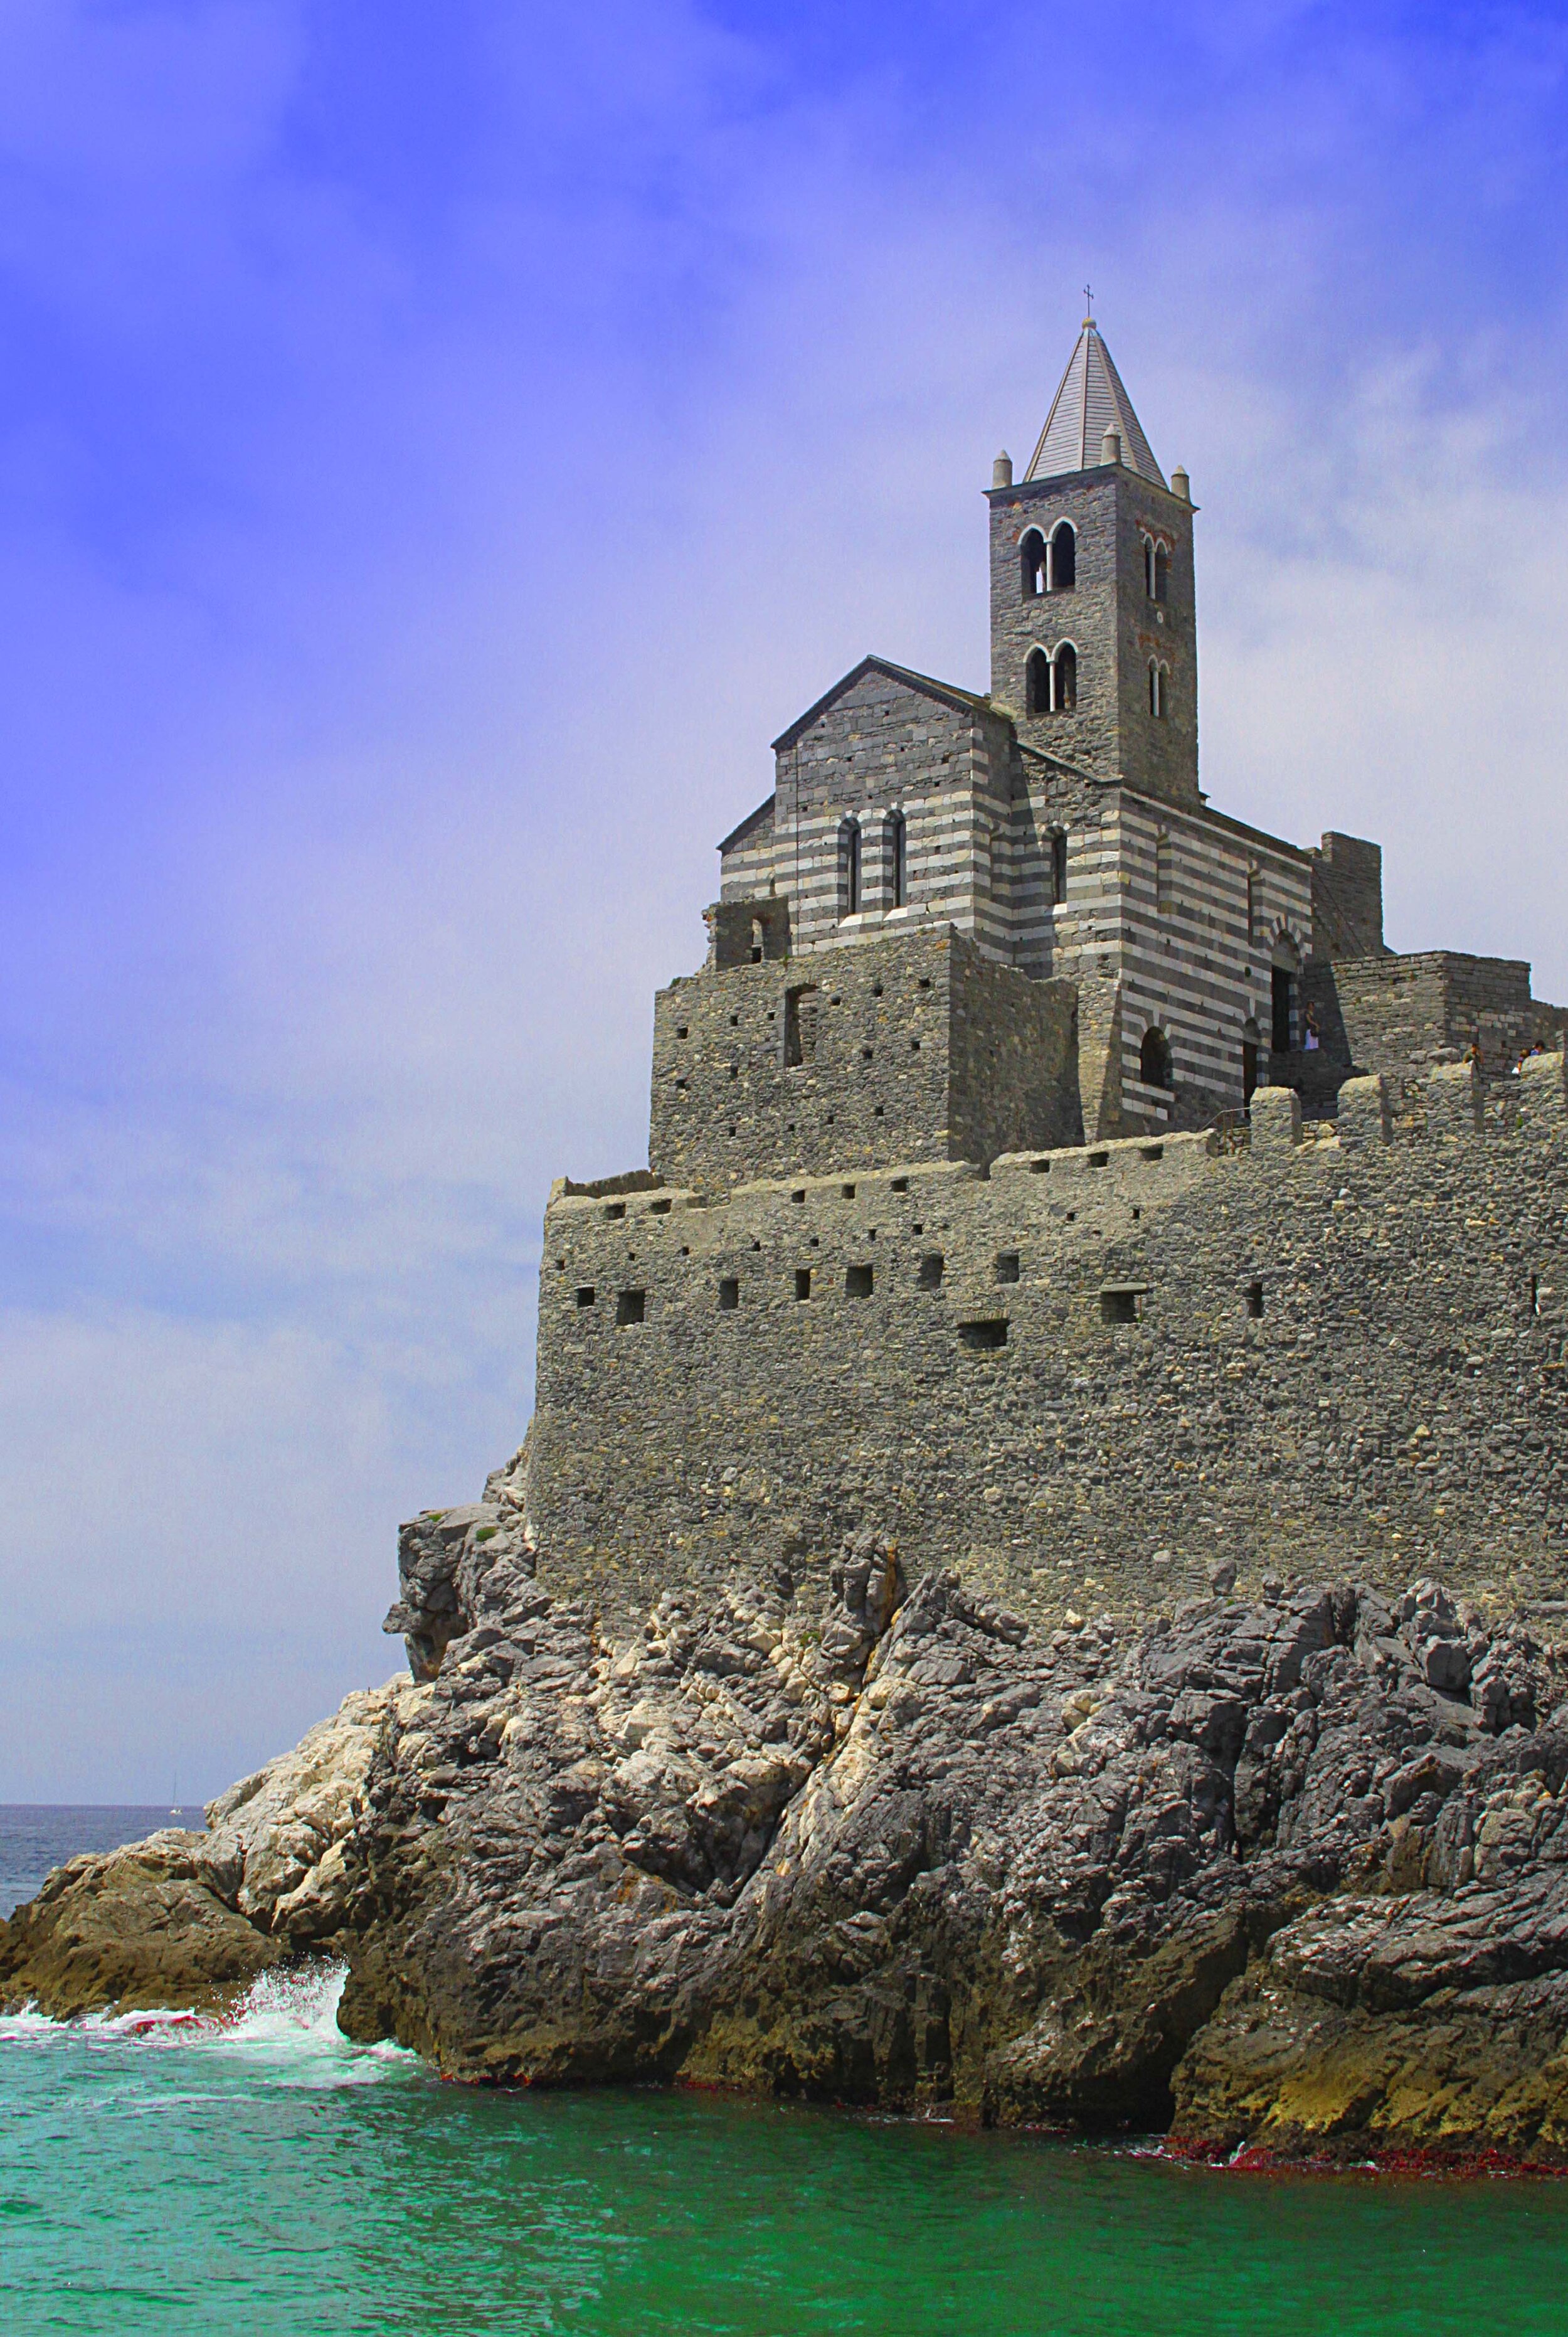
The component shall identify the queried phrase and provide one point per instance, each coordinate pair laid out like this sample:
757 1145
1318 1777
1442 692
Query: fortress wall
1405 1014
1103 1427
915 1046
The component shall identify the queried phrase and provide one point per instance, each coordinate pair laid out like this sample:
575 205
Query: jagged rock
1248 1867
135 1928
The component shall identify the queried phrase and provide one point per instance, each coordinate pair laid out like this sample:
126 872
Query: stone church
966 922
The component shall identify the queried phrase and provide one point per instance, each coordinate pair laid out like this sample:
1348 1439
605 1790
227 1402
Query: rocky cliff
1286 1872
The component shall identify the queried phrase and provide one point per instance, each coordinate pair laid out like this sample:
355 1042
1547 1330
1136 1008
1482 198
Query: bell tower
1094 610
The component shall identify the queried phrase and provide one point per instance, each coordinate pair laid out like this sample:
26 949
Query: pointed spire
1091 405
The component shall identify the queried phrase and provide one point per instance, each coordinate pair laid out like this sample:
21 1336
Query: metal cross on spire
1089 304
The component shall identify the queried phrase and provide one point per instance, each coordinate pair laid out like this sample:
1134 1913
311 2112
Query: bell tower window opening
1065 679
1148 567
898 860
1058 866
1063 560
1159 686
1161 572
1038 682
1034 564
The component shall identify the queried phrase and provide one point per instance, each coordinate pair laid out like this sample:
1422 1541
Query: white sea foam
286 2022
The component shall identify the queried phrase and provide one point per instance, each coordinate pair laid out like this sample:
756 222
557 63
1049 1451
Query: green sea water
158 2175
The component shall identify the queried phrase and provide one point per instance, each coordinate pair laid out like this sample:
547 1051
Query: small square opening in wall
857 1282
658 1208
631 1306
729 1294
680 1029
799 1195
802 1282
983 1334
925 982
1254 1299
585 1294
929 1276
1006 1265
1099 1159
1119 1302
615 1208
898 1185
848 1191
878 1112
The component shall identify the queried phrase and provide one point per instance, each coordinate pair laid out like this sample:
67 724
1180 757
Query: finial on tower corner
1111 447
1181 485
1002 470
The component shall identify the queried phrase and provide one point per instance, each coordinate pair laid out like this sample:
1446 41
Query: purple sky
439 447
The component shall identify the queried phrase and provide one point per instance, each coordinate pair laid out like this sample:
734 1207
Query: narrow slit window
802 1282
899 856
852 868
1161 572
1058 866
729 1294
1255 1300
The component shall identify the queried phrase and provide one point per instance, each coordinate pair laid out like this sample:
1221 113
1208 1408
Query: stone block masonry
911 1046
1083 1377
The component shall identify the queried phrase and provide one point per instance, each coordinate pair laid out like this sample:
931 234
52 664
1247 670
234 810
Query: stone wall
1084 1378
1402 1014
1347 897
910 1046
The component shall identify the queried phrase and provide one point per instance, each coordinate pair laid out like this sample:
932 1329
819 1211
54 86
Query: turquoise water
155 2176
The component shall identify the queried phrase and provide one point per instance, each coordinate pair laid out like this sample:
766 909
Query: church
966 924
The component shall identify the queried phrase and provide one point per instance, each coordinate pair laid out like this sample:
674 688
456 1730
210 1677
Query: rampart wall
1087 1376
913 1045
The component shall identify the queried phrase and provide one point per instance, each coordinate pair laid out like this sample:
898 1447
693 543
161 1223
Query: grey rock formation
1284 1872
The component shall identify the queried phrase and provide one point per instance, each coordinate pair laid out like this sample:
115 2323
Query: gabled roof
749 825
1090 401
947 693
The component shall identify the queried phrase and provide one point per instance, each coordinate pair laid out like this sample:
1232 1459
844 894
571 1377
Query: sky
440 446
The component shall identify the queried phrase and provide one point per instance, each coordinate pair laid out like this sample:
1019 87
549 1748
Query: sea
165 2173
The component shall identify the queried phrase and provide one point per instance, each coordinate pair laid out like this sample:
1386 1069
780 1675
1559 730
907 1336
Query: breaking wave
286 2022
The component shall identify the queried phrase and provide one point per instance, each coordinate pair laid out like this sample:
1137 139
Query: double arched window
1049 566
1051 682
1156 569
1159 690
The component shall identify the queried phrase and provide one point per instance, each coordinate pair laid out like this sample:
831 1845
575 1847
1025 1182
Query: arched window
1155 1060
1149 566
1032 562
1161 572
849 867
899 859
1165 878
1058 864
1064 573
1065 695
1254 894
1159 683
1038 682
